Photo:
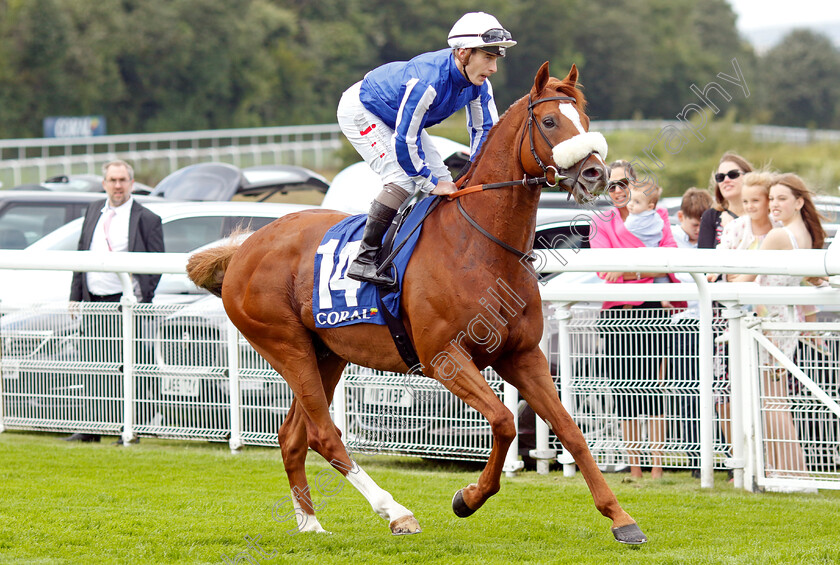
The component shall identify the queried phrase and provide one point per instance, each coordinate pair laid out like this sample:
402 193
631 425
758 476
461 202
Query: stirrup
366 272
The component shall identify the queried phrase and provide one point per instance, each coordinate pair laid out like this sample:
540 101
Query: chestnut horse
266 286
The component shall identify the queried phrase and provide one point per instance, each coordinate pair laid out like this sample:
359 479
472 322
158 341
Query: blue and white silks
410 96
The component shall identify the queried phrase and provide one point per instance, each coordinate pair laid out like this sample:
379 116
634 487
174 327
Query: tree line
171 65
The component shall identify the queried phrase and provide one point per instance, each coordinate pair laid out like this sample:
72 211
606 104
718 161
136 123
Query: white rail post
707 409
512 462
235 441
127 304
542 453
750 398
733 313
340 407
563 314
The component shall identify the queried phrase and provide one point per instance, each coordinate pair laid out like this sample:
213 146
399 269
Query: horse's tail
207 268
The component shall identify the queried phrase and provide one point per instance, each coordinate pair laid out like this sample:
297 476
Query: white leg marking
380 500
311 524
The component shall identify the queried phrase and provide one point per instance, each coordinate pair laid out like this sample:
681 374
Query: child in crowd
695 201
643 221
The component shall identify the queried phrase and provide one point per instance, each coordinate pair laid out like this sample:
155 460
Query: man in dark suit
118 223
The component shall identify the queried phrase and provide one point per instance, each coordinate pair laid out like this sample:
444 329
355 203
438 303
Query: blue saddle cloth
340 301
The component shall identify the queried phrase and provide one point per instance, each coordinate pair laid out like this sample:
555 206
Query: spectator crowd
743 208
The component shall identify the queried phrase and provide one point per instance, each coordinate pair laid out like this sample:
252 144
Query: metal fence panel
265 397
64 368
635 386
189 387
413 415
798 423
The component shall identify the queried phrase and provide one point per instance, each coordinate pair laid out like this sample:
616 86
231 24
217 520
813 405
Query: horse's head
558 138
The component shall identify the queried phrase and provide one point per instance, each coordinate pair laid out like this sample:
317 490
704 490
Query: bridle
543 181
532 122
526 181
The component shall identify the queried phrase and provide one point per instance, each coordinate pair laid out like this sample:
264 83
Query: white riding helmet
482 31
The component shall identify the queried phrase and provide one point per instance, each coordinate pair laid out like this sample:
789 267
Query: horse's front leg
530 374
469 385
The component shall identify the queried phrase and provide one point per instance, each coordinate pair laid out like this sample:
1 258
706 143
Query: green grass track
194 502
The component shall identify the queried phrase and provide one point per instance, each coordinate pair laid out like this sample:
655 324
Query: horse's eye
548 122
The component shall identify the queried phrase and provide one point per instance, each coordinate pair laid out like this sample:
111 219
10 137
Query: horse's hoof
630 534
405 526
460 507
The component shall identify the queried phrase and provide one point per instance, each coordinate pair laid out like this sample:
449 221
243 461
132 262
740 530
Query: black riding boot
364 267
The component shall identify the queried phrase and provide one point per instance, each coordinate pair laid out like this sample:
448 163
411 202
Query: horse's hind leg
530 374
401 520
302 374
294 445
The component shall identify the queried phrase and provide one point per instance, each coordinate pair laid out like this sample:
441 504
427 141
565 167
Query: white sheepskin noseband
569 152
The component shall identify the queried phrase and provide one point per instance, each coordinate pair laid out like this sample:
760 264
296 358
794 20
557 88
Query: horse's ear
572 77
542 78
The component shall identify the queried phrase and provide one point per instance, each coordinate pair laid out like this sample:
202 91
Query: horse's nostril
593 173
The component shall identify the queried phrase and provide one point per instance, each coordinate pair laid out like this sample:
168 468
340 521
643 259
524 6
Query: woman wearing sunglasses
791 205
726 182
385 116
633 330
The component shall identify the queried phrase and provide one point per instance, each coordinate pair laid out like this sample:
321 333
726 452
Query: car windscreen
184 235
206 181
24 224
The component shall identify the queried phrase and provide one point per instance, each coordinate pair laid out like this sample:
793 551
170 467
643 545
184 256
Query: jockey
385 114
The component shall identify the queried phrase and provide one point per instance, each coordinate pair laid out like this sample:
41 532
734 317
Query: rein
493 238
525 182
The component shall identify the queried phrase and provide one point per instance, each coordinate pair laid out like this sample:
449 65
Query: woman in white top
790 204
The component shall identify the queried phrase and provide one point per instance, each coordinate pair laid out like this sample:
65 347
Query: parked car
222 181
30 340
28 215
186 227
78 183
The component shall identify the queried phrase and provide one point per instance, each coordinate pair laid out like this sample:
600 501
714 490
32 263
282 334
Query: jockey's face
479 65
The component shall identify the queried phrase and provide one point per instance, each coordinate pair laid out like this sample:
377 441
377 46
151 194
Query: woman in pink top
633 352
